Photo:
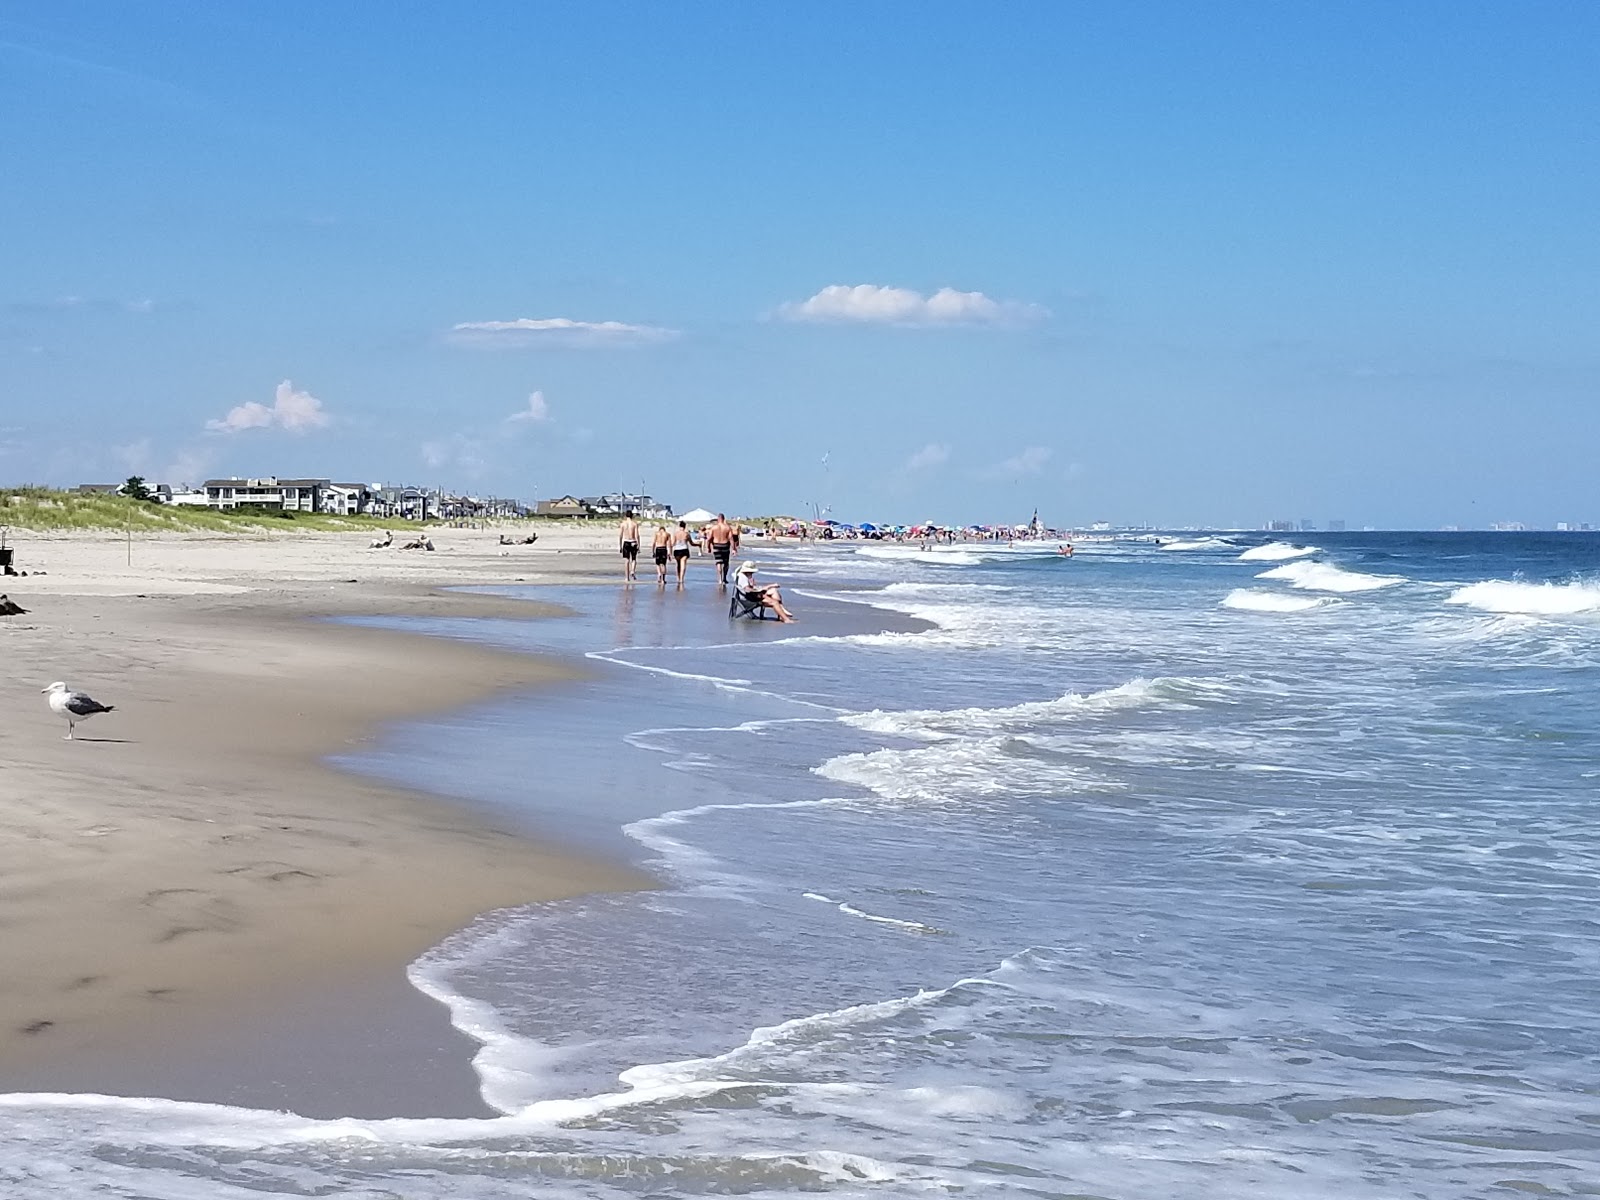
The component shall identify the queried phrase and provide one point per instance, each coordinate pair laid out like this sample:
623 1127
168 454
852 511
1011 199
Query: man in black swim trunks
724 539
628 540
658 550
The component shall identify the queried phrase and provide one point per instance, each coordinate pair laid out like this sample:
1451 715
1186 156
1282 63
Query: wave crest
1209 543
1537 599
1276 552
1325 577
933 724
1257 600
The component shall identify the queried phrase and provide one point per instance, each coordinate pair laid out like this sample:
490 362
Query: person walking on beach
659 547
628 541
682 544
724 539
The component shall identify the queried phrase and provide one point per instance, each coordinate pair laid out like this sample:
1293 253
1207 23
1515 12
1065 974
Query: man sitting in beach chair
752 599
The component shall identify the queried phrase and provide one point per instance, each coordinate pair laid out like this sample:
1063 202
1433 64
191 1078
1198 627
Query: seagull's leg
68 738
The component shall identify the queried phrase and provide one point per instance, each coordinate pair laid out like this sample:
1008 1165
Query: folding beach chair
747 604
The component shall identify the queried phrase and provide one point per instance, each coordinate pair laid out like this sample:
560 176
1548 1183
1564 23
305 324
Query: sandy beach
188 866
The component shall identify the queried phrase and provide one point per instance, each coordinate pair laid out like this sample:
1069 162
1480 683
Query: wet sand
191 903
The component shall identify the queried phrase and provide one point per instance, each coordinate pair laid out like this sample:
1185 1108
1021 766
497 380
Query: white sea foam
1209 543
1276 552
745 686
933 556
1537 599
1325 577
852 911
959 772
798 1032
1257 600
690 862
1136 693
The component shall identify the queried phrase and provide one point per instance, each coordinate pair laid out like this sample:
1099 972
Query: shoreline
191 869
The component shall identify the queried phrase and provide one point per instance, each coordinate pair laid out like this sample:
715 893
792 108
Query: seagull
74 706
9 607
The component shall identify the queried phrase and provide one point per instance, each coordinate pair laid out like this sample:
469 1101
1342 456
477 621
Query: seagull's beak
42 691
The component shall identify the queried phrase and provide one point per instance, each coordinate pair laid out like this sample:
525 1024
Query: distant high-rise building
1280 526
1307 525
1336 525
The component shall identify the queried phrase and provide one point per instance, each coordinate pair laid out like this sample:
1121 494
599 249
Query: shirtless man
659 547
682 545
628 541
724 539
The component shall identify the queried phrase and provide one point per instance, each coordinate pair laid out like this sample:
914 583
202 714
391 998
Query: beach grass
51 510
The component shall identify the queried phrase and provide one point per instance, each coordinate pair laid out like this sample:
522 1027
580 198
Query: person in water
682 545
761 593
628 542
659 548
724 540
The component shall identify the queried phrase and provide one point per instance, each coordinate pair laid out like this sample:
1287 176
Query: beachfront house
296 495
182 494
566 506
614 504
346 499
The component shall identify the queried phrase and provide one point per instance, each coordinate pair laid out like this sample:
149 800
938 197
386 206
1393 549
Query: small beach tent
697 516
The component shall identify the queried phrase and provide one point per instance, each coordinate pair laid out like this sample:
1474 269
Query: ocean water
1205 869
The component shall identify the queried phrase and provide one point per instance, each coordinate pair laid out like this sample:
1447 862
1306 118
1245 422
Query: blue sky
1147 262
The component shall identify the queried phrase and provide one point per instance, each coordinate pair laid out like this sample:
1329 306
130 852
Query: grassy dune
45 509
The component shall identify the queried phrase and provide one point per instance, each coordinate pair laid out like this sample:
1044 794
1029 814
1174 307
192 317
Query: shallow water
1148 872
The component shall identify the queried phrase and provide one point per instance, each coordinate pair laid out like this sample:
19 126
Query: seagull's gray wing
81 705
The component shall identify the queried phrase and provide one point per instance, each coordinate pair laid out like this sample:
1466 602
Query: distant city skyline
1150 264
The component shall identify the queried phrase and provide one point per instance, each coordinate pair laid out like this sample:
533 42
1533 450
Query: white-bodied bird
74 706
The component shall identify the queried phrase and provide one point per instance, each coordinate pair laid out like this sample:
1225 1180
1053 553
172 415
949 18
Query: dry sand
189 861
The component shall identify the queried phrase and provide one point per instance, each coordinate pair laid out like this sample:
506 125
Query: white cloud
934 454
870 304
190 464
134 457
560 332
537 412
459 450
291 410
1028 462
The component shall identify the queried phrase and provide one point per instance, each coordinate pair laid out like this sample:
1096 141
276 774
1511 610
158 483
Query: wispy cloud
292 410
135 456
934 454
537 411
871 304
461 451
1026 462
84 304
190 464
555 332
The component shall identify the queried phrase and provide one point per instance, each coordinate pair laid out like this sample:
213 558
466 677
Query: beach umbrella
697 516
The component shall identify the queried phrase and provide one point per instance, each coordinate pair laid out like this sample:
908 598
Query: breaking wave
1538 599
1325 577
1136 693
1276 552
1210 543
1256 600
